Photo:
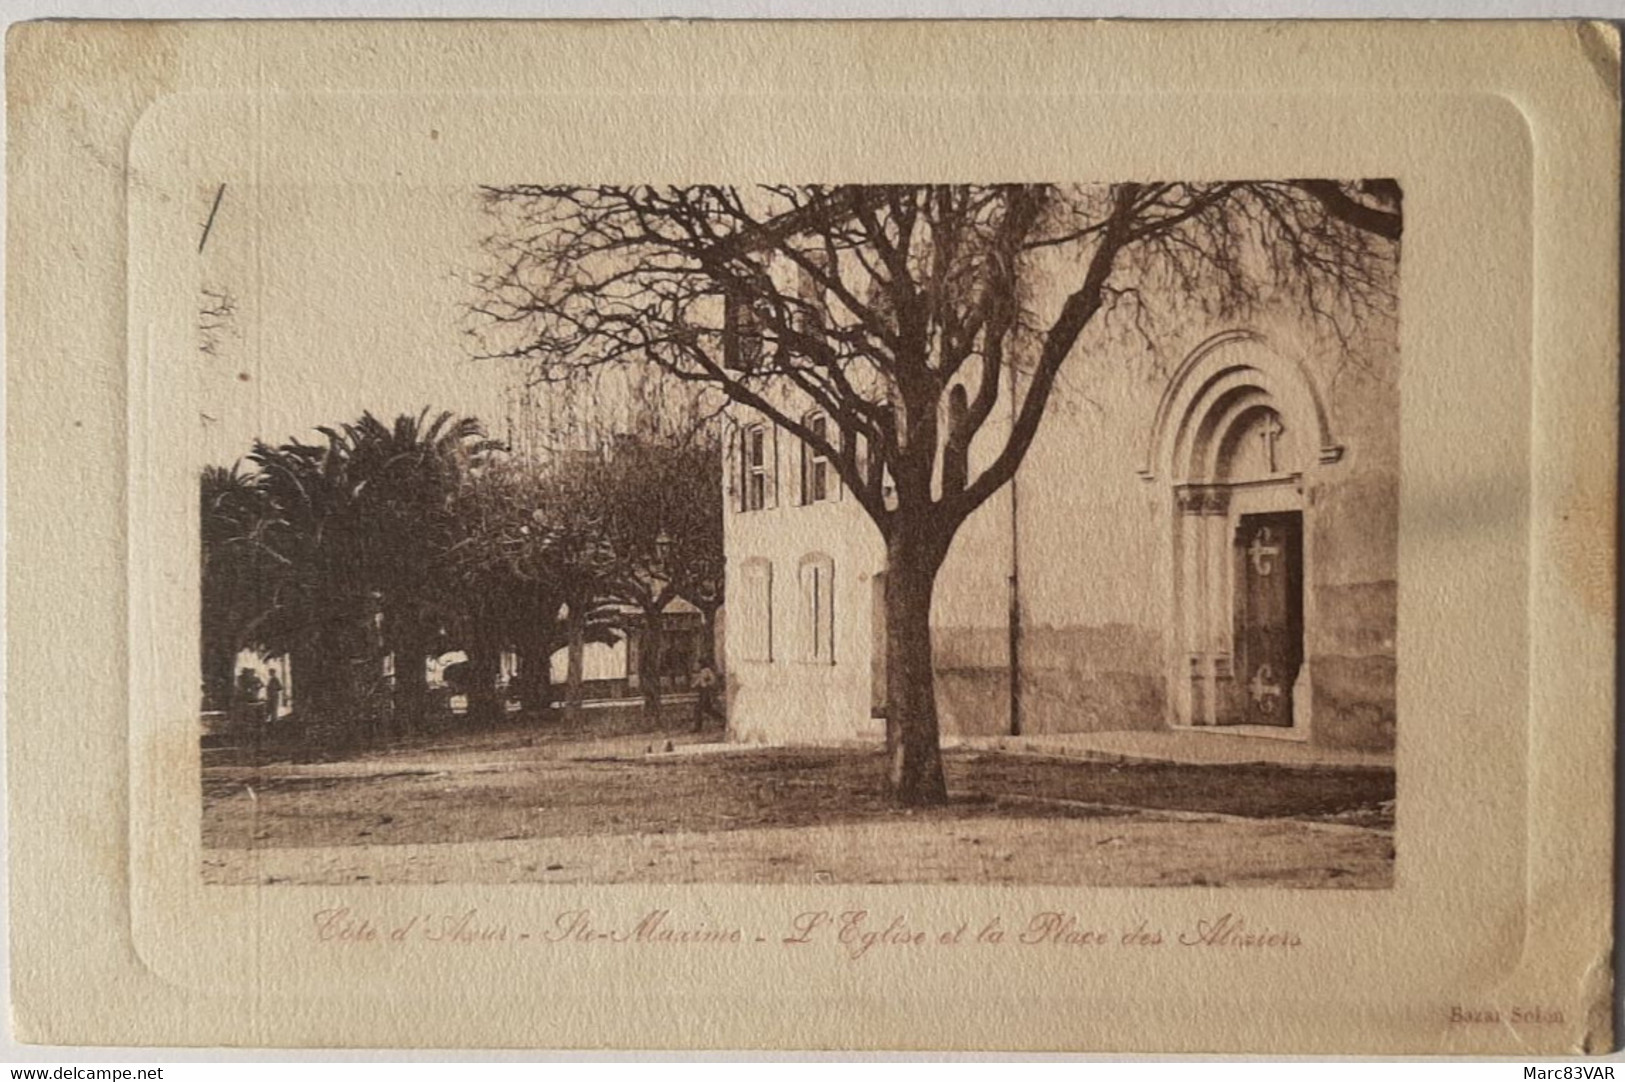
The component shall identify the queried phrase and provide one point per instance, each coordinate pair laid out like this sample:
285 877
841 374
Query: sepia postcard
1009 536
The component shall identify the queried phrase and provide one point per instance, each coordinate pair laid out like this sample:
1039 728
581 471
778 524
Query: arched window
754 469
742 335
817 475
755 608
817 615
811 303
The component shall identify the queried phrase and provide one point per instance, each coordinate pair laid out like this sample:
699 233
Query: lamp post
662 550
657 620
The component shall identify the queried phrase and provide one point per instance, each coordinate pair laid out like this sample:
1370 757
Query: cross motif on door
1269 433
1263 551
1264 690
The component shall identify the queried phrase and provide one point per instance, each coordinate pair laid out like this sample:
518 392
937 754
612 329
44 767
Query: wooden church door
1269 615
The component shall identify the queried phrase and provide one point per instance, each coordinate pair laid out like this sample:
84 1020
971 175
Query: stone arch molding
1225 376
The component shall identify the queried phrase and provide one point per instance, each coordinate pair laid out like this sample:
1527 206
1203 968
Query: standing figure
704 682
247 698
273 697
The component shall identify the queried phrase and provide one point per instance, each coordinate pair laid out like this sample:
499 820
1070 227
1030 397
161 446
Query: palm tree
316 598
376 541
407 476
231 510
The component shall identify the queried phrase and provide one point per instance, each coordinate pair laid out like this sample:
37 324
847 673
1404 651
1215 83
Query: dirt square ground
610 799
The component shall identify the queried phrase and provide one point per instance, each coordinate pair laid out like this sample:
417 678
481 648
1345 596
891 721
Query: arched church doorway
1237 440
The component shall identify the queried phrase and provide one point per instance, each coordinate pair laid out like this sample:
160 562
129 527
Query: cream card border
1505 139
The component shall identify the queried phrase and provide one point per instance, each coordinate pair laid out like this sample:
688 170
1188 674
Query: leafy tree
905 315
655 508
526 570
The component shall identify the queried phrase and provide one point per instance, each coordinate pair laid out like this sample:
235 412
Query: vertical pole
1015 581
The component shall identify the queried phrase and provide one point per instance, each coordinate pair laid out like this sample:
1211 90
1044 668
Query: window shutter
733 469
741 335
756 610
837 485
815 613
773 467
730 334
767 612
811 294
826 595
799 474
808 646
860 454
750 611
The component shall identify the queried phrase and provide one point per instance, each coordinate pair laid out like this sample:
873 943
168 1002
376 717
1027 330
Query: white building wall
1103 642
781 695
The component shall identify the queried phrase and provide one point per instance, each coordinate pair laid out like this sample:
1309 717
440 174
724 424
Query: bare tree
904 315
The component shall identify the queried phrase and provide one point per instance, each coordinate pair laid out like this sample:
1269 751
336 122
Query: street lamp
662 549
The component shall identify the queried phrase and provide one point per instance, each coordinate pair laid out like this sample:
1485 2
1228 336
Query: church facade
1204 536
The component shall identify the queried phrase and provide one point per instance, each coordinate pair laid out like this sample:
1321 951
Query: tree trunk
485 702
219 671
531 698
913 746
368 702
576 623
649 669
707 654
315 693
709 705
411 680
547 692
